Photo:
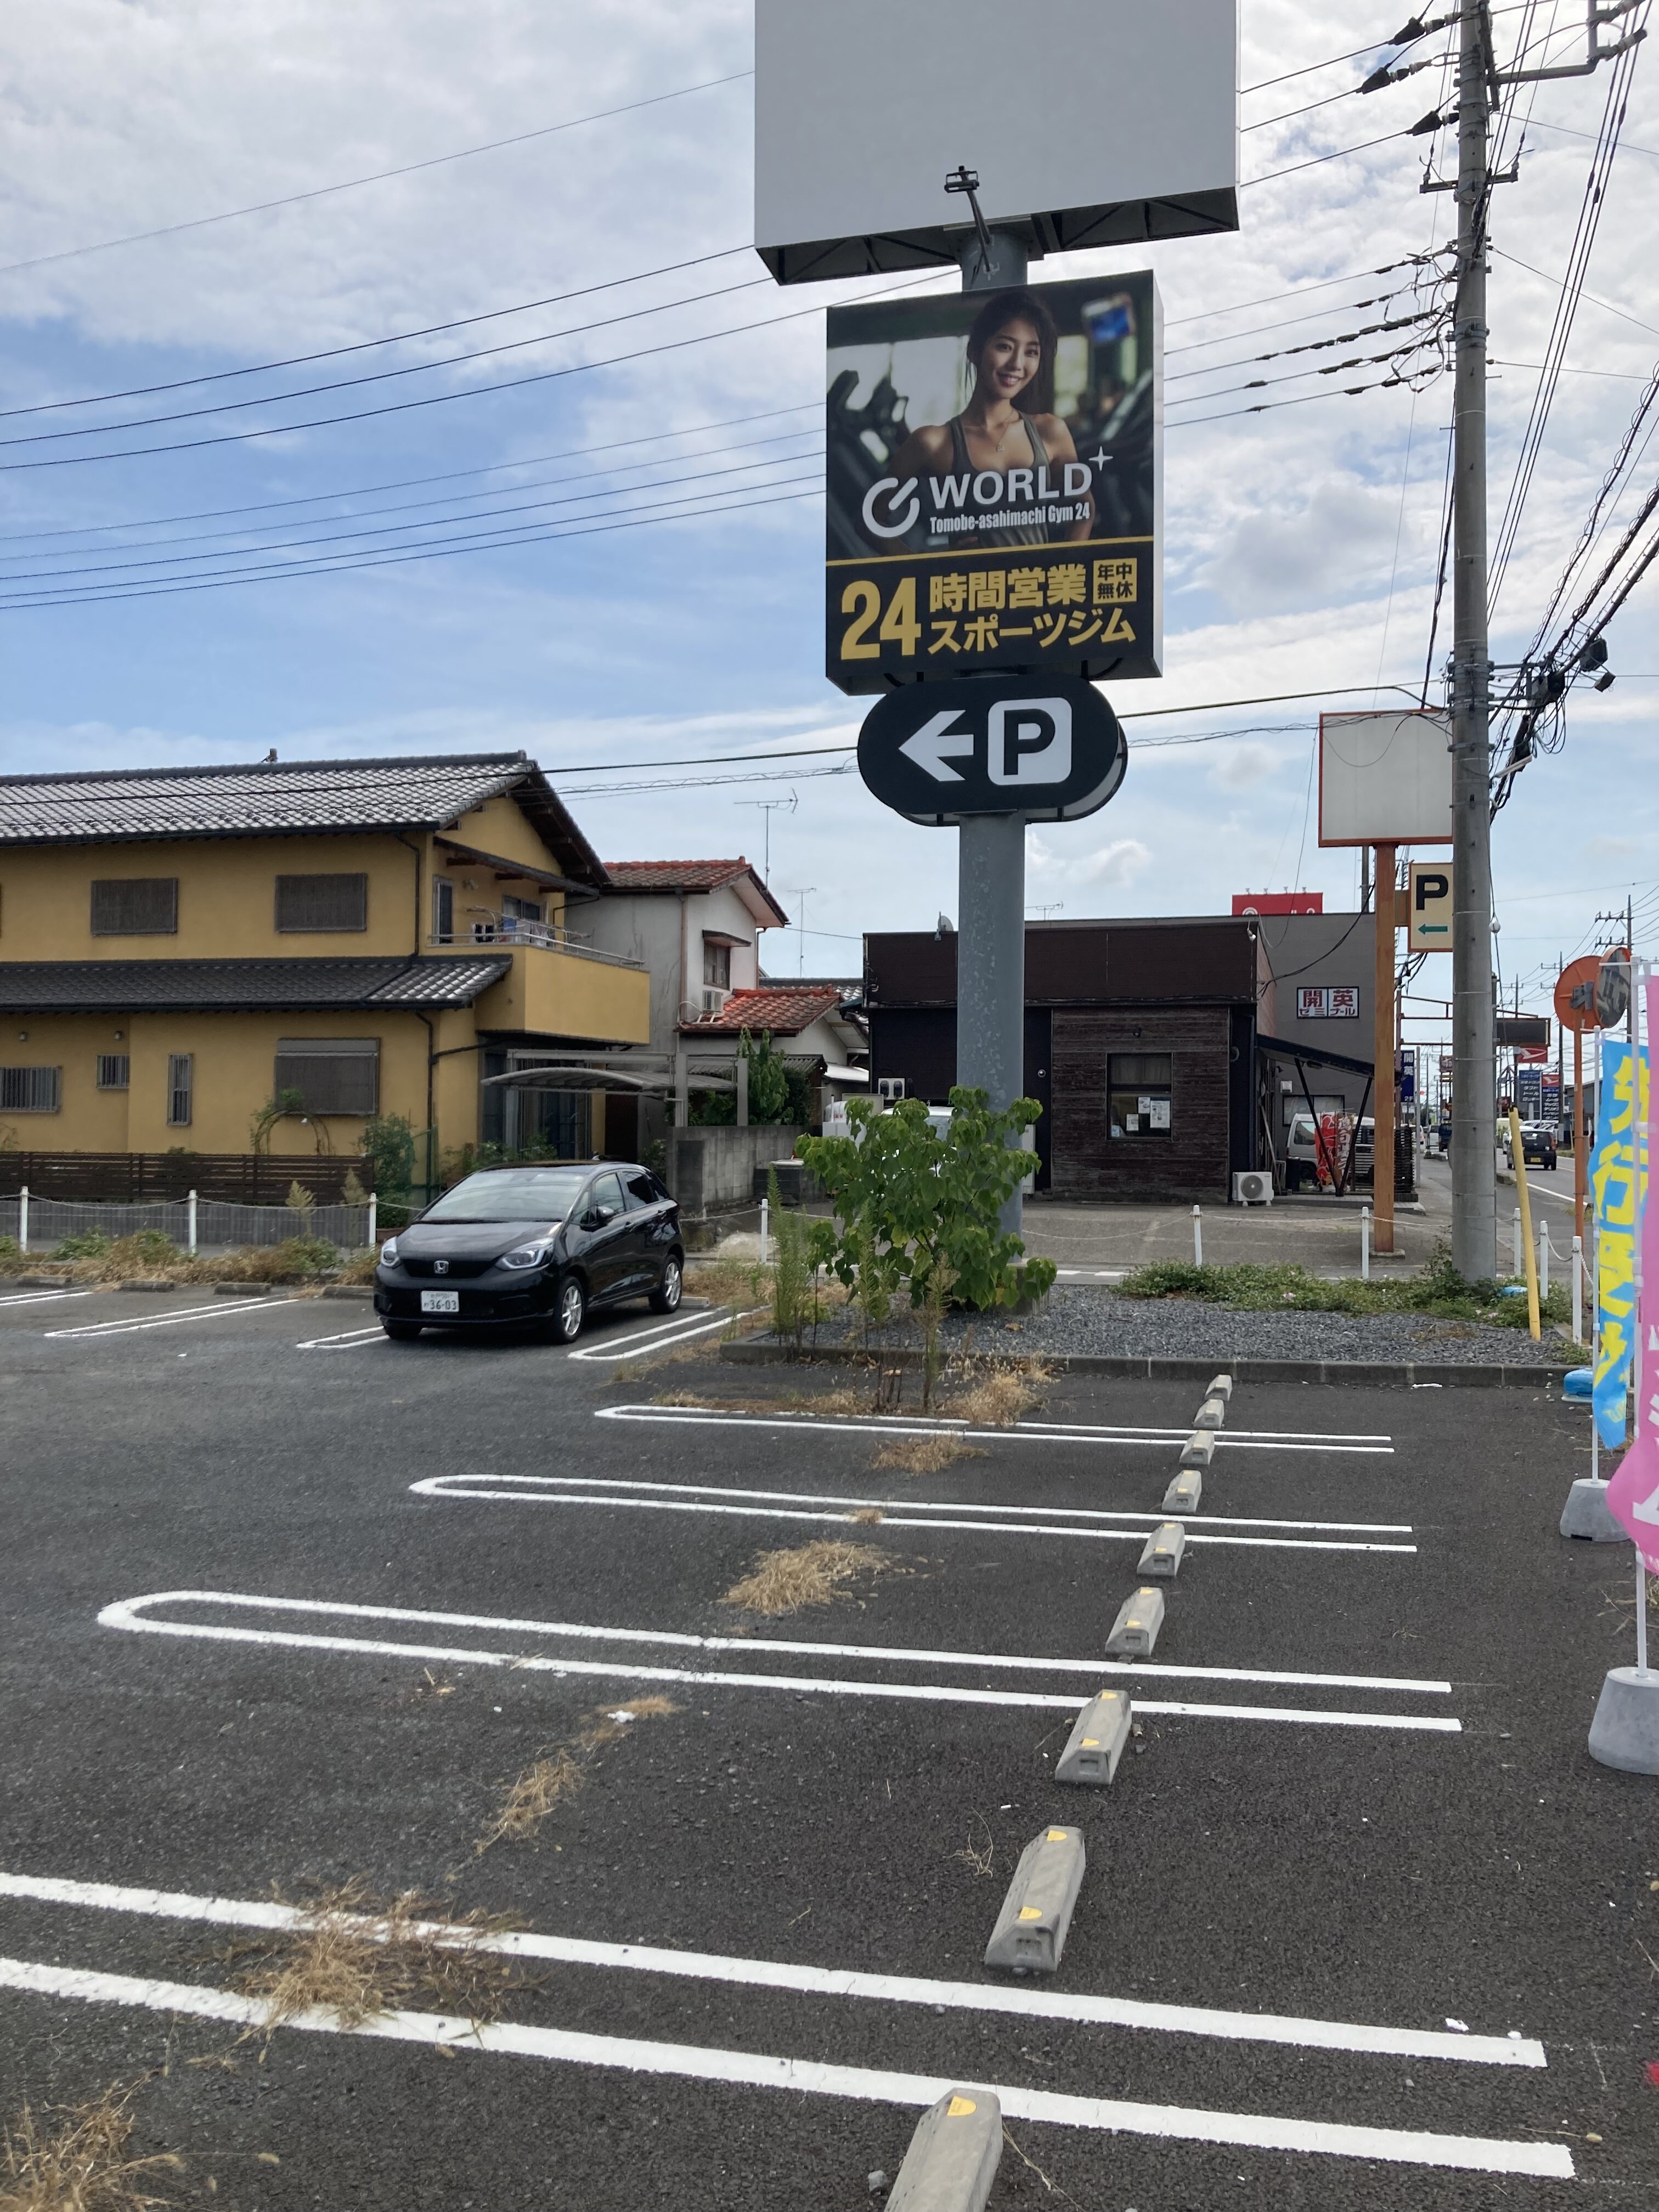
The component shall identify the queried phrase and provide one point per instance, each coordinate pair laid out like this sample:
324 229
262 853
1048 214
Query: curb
1361 1374
348 1291
242 1290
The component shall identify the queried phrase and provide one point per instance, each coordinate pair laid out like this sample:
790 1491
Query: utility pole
1474 1106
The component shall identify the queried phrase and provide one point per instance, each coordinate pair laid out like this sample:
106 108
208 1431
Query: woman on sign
1005 431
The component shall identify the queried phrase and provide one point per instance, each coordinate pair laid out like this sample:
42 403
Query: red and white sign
1271 902
1316 1002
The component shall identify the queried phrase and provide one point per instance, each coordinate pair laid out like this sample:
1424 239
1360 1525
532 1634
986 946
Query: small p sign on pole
1429 917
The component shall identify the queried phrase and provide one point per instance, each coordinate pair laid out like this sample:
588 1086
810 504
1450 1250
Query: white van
1302 1153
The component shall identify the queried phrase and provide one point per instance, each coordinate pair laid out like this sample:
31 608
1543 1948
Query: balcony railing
512 929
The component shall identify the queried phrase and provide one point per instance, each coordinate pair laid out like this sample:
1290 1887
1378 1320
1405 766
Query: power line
396 559
380 176
385 375
430 400
390 530
364 345
405 483
1296 292
1315 161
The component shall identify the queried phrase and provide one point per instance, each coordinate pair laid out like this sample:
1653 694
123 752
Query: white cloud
1240 766
1117 864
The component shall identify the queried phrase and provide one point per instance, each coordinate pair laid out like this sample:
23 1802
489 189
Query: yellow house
234 960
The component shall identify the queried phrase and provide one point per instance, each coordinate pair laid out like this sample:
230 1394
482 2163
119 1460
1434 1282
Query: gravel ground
1087 1319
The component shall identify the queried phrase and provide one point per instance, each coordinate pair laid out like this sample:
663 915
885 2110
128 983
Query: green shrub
908 1204
10 1249
801 1247
388 1139
84 1244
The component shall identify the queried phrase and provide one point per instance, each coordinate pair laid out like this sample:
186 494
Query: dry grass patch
995 1401
81 2164
354 1960
811 1574
560 1773
923 1455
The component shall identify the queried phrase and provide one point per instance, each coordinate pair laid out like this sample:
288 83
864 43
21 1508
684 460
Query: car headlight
527 1256
389 1251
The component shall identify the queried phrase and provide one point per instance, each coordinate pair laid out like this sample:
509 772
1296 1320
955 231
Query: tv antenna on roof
768 807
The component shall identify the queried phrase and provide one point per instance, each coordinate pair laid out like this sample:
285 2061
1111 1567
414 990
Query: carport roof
139 986
1316 1055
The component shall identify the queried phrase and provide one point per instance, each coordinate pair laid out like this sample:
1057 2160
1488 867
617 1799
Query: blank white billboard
1099 121
1385 779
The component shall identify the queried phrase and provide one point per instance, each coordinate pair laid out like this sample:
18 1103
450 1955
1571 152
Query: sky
1301 542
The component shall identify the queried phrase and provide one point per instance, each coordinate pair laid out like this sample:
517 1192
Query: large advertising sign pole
991 863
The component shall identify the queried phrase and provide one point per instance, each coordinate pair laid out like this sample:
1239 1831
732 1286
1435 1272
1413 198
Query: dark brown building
1141 1045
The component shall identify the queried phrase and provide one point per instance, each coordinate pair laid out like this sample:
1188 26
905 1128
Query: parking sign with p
1429 915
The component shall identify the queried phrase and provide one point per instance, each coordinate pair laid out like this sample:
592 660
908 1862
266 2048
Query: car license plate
441 1302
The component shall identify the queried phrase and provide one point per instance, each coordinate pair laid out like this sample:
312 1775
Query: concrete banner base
1588 1516
1625 1733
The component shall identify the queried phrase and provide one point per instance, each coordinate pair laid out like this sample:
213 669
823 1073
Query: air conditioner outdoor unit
890 1088
1254 1186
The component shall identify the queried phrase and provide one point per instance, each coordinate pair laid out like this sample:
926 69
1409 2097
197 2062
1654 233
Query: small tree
389 1140
302 1202
768 1078
908 1204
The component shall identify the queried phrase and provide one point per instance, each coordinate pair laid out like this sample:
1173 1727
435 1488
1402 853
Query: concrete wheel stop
1586 1514
1031 1930
1625 1733
953 2155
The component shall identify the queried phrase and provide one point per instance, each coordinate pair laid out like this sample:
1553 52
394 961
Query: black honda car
533 1246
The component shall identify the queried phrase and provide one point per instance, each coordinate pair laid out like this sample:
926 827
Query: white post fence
1198 1237
1520 1264
1364 1243
23 1217
1578 1290
1543 1260
765 1208
374 1210
190 1238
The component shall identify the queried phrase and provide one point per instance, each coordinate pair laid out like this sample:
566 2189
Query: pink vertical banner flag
1633 1493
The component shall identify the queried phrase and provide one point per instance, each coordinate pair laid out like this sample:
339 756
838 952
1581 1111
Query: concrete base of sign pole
1588 1516
1625 1733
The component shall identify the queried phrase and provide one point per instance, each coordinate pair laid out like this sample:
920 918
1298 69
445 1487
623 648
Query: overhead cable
379 176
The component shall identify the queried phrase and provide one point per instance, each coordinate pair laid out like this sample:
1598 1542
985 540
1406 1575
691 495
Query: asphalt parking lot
291 1606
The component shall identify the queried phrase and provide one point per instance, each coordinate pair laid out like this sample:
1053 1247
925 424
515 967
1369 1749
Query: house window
518 909
717 963
114 1071
136 906
31 1089
1139 1093
180 1085
322 903
332 1075
443 910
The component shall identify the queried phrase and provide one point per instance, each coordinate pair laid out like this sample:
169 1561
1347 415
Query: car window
606 1191
511 1194
642 1189
1302 1131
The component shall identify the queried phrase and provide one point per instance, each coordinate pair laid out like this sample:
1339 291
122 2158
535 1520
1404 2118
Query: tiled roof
242 986
674 875
783 1009
694 875
286 799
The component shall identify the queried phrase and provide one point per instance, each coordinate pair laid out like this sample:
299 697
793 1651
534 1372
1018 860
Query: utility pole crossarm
1597 53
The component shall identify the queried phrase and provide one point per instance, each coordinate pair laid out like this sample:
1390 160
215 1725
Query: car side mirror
597 1215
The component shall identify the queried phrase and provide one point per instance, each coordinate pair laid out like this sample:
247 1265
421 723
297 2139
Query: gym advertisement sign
994 470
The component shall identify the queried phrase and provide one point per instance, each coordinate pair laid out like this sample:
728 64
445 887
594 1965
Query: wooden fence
240 1178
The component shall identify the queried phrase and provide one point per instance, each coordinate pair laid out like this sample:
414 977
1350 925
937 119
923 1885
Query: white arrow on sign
935 743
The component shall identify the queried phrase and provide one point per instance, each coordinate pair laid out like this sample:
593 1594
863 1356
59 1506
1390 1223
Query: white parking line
132 1614
820 1981
463 1485
760 2070
42 1297
587 1493
1047 1432
348 1339
659 1337
169 1321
